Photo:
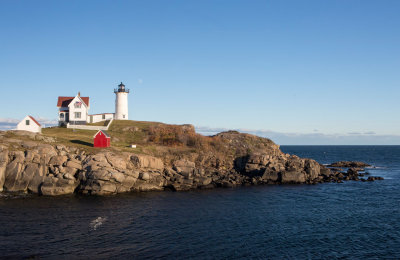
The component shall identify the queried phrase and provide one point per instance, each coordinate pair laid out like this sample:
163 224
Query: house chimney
79 94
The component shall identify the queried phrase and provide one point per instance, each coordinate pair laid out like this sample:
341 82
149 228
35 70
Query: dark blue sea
354 220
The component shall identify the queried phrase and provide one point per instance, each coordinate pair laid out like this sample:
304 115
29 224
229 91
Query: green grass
101 123
123 133
72 137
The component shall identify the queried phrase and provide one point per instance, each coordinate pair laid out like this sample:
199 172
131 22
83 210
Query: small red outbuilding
101 139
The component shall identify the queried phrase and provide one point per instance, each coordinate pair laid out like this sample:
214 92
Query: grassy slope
70 137
123 133
101 123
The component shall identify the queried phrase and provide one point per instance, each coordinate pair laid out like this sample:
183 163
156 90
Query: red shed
101 139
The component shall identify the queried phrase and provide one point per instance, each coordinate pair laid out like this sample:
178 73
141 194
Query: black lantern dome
121 88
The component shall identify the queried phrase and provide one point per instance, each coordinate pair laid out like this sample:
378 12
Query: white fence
90 127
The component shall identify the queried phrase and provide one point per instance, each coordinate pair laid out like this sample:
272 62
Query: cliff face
38 164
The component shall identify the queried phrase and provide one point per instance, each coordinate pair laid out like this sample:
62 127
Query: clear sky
316 71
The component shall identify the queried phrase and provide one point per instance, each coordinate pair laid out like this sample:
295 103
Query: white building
121 102
29 124
75 110
100 117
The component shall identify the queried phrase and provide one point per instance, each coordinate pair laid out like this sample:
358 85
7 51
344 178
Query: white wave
94 224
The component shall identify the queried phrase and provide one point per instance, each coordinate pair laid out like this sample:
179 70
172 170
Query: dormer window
78 104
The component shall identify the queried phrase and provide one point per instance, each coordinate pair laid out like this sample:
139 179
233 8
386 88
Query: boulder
101 174
117 176
69 176
27 174
46 139
144 176
146 161
187 181
54 187
312 168
106 188
35 184
17 156
51 190
69 170
270 176
116 161
293 177
294 164
13 173
58 160
3 166
352 172
325 172
29 155
134 174
184 167
128 182
260 159
204 181
74 164
47 150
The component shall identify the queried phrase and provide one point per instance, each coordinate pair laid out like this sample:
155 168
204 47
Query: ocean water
349 220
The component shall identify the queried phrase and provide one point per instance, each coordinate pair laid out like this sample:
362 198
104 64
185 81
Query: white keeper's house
75 110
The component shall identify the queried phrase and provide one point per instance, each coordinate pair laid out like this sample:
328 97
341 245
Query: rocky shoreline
39 165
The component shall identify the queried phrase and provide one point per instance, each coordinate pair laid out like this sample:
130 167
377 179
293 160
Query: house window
78 104
103 116
123 116
27 122
77 114
62 116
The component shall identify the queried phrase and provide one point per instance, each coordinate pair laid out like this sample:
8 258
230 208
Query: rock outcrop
38 165
349 164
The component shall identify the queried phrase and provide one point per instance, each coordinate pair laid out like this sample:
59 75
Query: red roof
34 120
64 101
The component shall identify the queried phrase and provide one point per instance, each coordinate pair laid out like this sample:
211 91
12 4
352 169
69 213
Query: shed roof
104 132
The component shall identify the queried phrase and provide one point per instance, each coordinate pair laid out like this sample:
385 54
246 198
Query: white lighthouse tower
121 102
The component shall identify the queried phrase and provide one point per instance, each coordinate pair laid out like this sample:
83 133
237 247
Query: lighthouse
121 102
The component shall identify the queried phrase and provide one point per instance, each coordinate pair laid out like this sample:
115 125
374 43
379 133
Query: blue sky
321 72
